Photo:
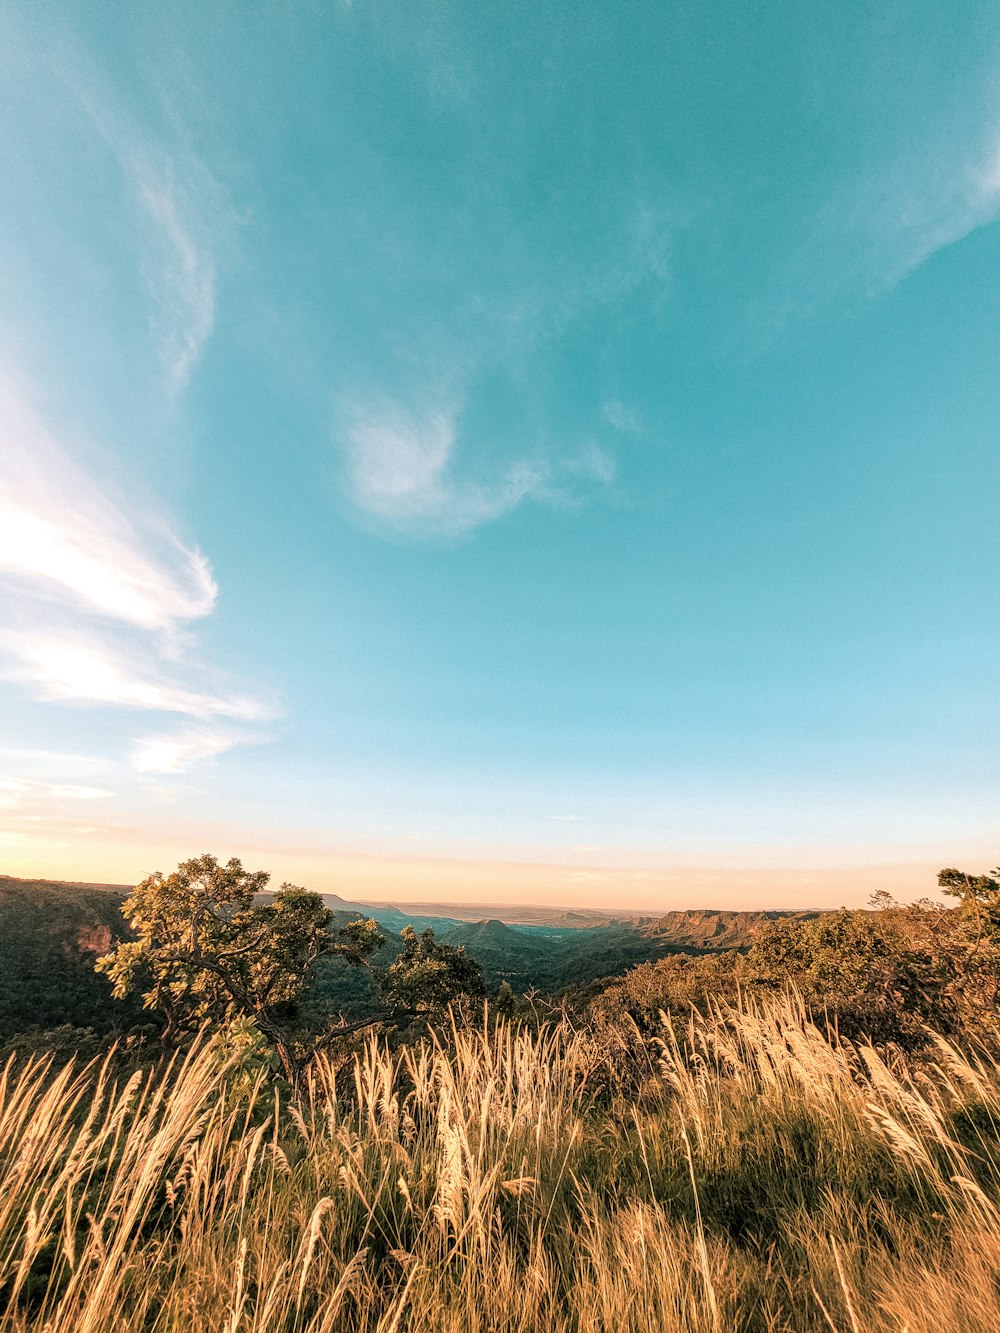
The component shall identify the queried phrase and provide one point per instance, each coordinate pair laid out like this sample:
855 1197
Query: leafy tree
885 973
679 982
427 975
205 949
979 916
506 1002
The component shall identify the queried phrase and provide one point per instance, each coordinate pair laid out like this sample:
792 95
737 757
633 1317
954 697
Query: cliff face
50 935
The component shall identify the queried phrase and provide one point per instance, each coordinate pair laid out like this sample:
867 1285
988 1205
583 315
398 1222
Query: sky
515 453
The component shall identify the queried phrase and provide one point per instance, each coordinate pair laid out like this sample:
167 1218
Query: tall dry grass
767 1177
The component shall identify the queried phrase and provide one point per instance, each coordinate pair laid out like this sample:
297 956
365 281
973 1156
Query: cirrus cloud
103 595
403 470
61 534
184 750
76 670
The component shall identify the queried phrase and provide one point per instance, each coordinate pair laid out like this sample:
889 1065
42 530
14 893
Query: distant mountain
549 958
511 914
13 883
491 934
392 919
695 927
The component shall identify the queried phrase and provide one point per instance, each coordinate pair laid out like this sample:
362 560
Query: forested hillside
51 933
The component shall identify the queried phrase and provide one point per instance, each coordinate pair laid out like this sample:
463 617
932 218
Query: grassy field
742 1171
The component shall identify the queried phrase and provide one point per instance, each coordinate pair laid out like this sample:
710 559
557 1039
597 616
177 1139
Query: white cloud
183 285
399 464
931 208
60 531
621 417
402 469
77 670
593 463
183 211
70 555
893 213
98 592
184 751
17 792
49 761
70 792
31 808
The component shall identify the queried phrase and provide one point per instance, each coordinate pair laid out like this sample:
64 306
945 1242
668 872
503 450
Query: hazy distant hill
511 914
527 956
697 928
553 956
490 934
14 884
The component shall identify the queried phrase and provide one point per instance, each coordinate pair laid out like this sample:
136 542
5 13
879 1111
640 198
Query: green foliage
60 1044
505 1001
50 935
886 973
974 942
203 948
548 958
427 976
677 983
864 968
206 944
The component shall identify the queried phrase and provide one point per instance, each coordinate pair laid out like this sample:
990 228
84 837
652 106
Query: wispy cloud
105 594
929 204
621 417
15 791
72 669
61 533
592 463
402 469
53 814
883 220
181 215
31 808
185 750
183 285
34 763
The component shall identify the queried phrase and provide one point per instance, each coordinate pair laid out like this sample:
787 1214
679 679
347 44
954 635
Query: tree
427 976
979 914
874 971
204 949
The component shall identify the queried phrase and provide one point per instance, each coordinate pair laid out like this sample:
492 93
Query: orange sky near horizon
621 882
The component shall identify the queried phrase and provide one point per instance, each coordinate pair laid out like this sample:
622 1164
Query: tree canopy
427 975
204 947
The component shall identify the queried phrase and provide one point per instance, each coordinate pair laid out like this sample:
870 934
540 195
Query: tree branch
346 1029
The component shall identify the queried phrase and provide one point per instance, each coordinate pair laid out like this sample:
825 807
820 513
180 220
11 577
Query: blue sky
514 451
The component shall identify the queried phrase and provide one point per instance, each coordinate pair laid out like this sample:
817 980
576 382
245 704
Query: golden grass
769 1177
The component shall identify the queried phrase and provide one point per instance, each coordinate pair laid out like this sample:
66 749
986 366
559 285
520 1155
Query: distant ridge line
694 922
